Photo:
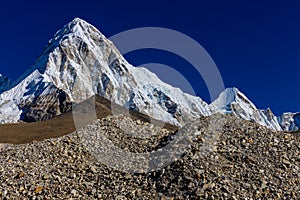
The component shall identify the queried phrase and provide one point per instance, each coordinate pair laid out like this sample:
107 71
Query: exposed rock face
34 100
45 107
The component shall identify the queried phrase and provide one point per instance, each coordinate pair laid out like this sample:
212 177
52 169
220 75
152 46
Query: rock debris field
225 158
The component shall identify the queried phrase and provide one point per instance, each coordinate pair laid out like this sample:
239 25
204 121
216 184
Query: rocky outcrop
45 107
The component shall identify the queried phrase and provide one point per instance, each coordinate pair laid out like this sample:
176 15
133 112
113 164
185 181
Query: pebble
208 186
46 177
39 189
74 193
286 162
21 175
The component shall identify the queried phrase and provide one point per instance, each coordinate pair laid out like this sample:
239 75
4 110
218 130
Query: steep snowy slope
81 62
32 100
233 101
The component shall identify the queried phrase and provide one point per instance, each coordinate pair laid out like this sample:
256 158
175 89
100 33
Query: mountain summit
80 62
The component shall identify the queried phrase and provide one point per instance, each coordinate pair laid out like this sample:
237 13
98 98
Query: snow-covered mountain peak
80 62
79 28
232 96
228 96
234 101
73 53
77 20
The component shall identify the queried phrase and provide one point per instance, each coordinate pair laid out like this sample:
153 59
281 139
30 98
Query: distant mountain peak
233 101
231 96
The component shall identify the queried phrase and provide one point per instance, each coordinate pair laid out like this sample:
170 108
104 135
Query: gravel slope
246 161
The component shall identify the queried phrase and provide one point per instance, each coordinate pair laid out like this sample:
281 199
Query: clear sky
255 44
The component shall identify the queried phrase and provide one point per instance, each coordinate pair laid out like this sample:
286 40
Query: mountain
233 101
80 62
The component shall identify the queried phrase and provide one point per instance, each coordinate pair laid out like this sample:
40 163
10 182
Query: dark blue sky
256 45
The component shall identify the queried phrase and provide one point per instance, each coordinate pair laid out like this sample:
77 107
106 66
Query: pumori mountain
80 62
